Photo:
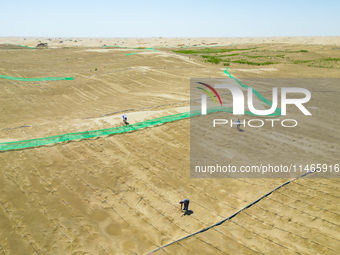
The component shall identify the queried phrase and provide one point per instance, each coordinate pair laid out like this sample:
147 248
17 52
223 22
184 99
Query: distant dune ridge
164 41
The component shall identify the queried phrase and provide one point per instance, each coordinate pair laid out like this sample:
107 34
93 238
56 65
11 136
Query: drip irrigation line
232 216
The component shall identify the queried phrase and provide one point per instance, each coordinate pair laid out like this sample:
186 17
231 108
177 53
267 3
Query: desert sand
120 194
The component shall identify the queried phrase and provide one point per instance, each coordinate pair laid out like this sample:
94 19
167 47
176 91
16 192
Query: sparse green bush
230 55
253 63
212 59
302 61
209 51
331 59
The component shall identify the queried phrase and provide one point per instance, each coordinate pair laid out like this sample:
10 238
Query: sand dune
169 42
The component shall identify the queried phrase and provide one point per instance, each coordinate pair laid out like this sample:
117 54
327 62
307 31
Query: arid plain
120 194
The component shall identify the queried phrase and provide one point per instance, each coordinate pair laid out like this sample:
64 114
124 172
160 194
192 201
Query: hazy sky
129 18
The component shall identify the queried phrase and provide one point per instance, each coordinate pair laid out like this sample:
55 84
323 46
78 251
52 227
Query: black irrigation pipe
165 181
121 198
16 127
327 185
175 206
261 187
18 227
310 229
306 202
160 212
263 237
232 216
2 249
37 199
55 192
317 190
128 110
135 193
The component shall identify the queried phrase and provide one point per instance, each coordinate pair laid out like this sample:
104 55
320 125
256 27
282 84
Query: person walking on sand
185 203
238 122
125 120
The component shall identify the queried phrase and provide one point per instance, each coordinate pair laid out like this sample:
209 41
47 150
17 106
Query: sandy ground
120 194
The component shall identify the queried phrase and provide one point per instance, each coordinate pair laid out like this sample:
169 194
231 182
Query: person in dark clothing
238 122
185 203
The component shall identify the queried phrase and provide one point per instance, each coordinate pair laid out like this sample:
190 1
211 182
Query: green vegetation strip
331 59
276 56
209 51
253 63
24 46
36 79
214 56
